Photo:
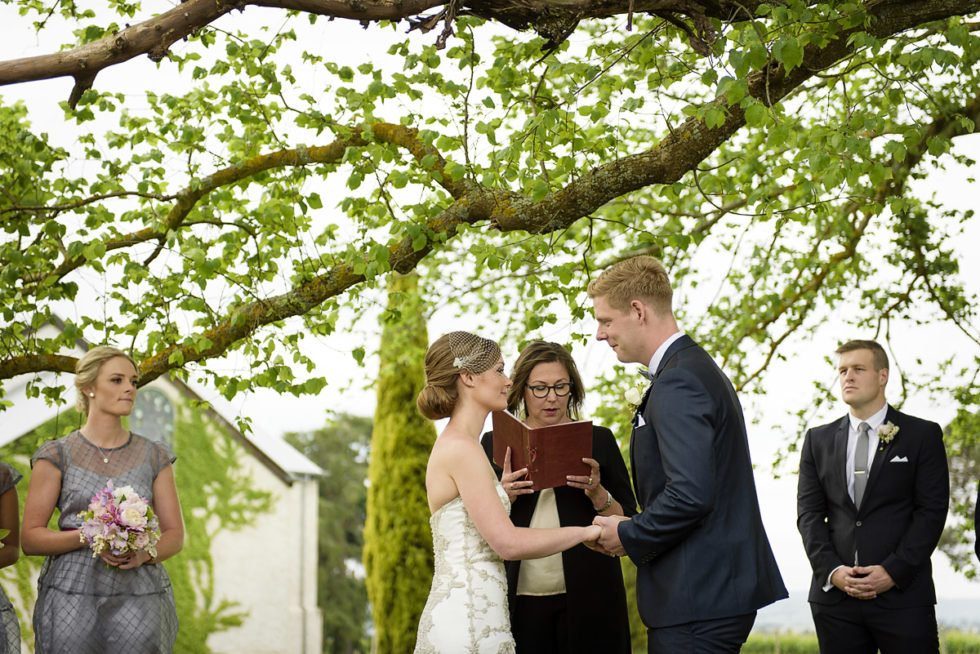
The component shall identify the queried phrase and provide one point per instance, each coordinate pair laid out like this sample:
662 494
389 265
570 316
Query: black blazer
598 617
699 545
901 517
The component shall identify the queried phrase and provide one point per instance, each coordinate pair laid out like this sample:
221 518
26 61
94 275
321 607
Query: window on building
153 416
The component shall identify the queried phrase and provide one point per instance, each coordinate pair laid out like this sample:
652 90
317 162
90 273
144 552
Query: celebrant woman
107 604
573 602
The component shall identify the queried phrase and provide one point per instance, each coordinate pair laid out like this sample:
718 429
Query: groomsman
872 501
703 561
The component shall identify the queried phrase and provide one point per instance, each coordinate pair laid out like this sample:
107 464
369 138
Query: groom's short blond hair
638 278
879 357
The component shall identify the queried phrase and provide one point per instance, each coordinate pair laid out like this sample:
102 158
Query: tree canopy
505 150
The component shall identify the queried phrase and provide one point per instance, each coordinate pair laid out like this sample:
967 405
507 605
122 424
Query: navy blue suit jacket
699 545
901 517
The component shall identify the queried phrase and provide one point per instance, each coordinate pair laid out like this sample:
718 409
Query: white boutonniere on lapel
633 396
886 433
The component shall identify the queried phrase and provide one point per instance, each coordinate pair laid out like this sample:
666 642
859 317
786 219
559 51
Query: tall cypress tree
397 540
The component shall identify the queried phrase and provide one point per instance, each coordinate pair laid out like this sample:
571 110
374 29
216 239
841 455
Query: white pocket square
900 459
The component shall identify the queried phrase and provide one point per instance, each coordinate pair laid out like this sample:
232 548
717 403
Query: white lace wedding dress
467 607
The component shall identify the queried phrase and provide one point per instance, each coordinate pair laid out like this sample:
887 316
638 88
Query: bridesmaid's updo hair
88 367
446 357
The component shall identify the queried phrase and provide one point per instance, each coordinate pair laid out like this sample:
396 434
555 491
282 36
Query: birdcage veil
472 352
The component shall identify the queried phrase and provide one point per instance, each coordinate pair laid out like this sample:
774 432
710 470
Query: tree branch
154 36
187 199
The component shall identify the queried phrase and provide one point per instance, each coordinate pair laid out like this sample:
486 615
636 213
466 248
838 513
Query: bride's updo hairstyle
445 359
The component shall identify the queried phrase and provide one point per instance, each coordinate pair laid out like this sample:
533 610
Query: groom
872 502
704 565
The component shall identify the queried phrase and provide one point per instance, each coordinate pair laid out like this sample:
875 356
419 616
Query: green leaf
539 190
756 114
787 51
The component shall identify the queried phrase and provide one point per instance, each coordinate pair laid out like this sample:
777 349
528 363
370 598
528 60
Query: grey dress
10 634
83 605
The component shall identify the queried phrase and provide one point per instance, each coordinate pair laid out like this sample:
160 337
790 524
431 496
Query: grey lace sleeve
8 477
161 456
53 451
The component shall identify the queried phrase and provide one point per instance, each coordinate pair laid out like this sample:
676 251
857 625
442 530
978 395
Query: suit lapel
881 454
675 347
636 421
684 341
840 458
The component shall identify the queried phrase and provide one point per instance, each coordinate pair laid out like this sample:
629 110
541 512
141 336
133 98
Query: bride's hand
510 480
592 534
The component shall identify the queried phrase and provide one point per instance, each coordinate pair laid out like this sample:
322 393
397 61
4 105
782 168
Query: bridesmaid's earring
91 394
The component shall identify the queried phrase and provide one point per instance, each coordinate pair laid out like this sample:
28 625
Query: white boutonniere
633 396
886 432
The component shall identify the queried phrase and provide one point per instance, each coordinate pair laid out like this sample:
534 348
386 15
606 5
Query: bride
471 531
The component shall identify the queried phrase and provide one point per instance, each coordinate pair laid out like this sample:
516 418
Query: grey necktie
861 463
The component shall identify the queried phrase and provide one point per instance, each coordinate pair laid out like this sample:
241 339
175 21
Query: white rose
132 516
633 395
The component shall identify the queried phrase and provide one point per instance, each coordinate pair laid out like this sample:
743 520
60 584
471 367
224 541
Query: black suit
596 610
898 525
699 545
976 523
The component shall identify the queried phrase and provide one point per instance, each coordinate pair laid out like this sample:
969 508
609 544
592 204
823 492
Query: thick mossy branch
552 19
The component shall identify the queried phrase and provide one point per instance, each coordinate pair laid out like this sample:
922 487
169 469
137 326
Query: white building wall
271 567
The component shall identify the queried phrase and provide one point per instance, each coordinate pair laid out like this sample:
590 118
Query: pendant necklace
105 455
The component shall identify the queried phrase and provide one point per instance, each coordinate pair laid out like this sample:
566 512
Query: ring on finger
590 481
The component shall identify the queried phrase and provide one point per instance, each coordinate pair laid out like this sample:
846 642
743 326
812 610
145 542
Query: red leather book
549 453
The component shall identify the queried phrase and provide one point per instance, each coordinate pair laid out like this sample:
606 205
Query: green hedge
950 642
397 540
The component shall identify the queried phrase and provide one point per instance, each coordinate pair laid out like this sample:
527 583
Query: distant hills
793 614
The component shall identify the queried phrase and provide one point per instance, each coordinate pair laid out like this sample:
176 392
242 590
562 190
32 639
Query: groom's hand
609 540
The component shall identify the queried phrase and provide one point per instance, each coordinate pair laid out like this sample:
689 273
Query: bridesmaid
9 521
119 604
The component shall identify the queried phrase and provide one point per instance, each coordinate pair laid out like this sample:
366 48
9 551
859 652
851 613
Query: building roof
28 413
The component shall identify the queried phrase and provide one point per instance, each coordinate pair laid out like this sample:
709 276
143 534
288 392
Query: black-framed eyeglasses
541 391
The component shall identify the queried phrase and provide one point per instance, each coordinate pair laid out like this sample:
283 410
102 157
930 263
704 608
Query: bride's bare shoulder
453 444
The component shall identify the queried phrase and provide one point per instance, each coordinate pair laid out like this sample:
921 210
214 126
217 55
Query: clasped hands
862 582
608 542
127 561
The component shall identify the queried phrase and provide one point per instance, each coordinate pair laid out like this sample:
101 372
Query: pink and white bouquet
121 521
